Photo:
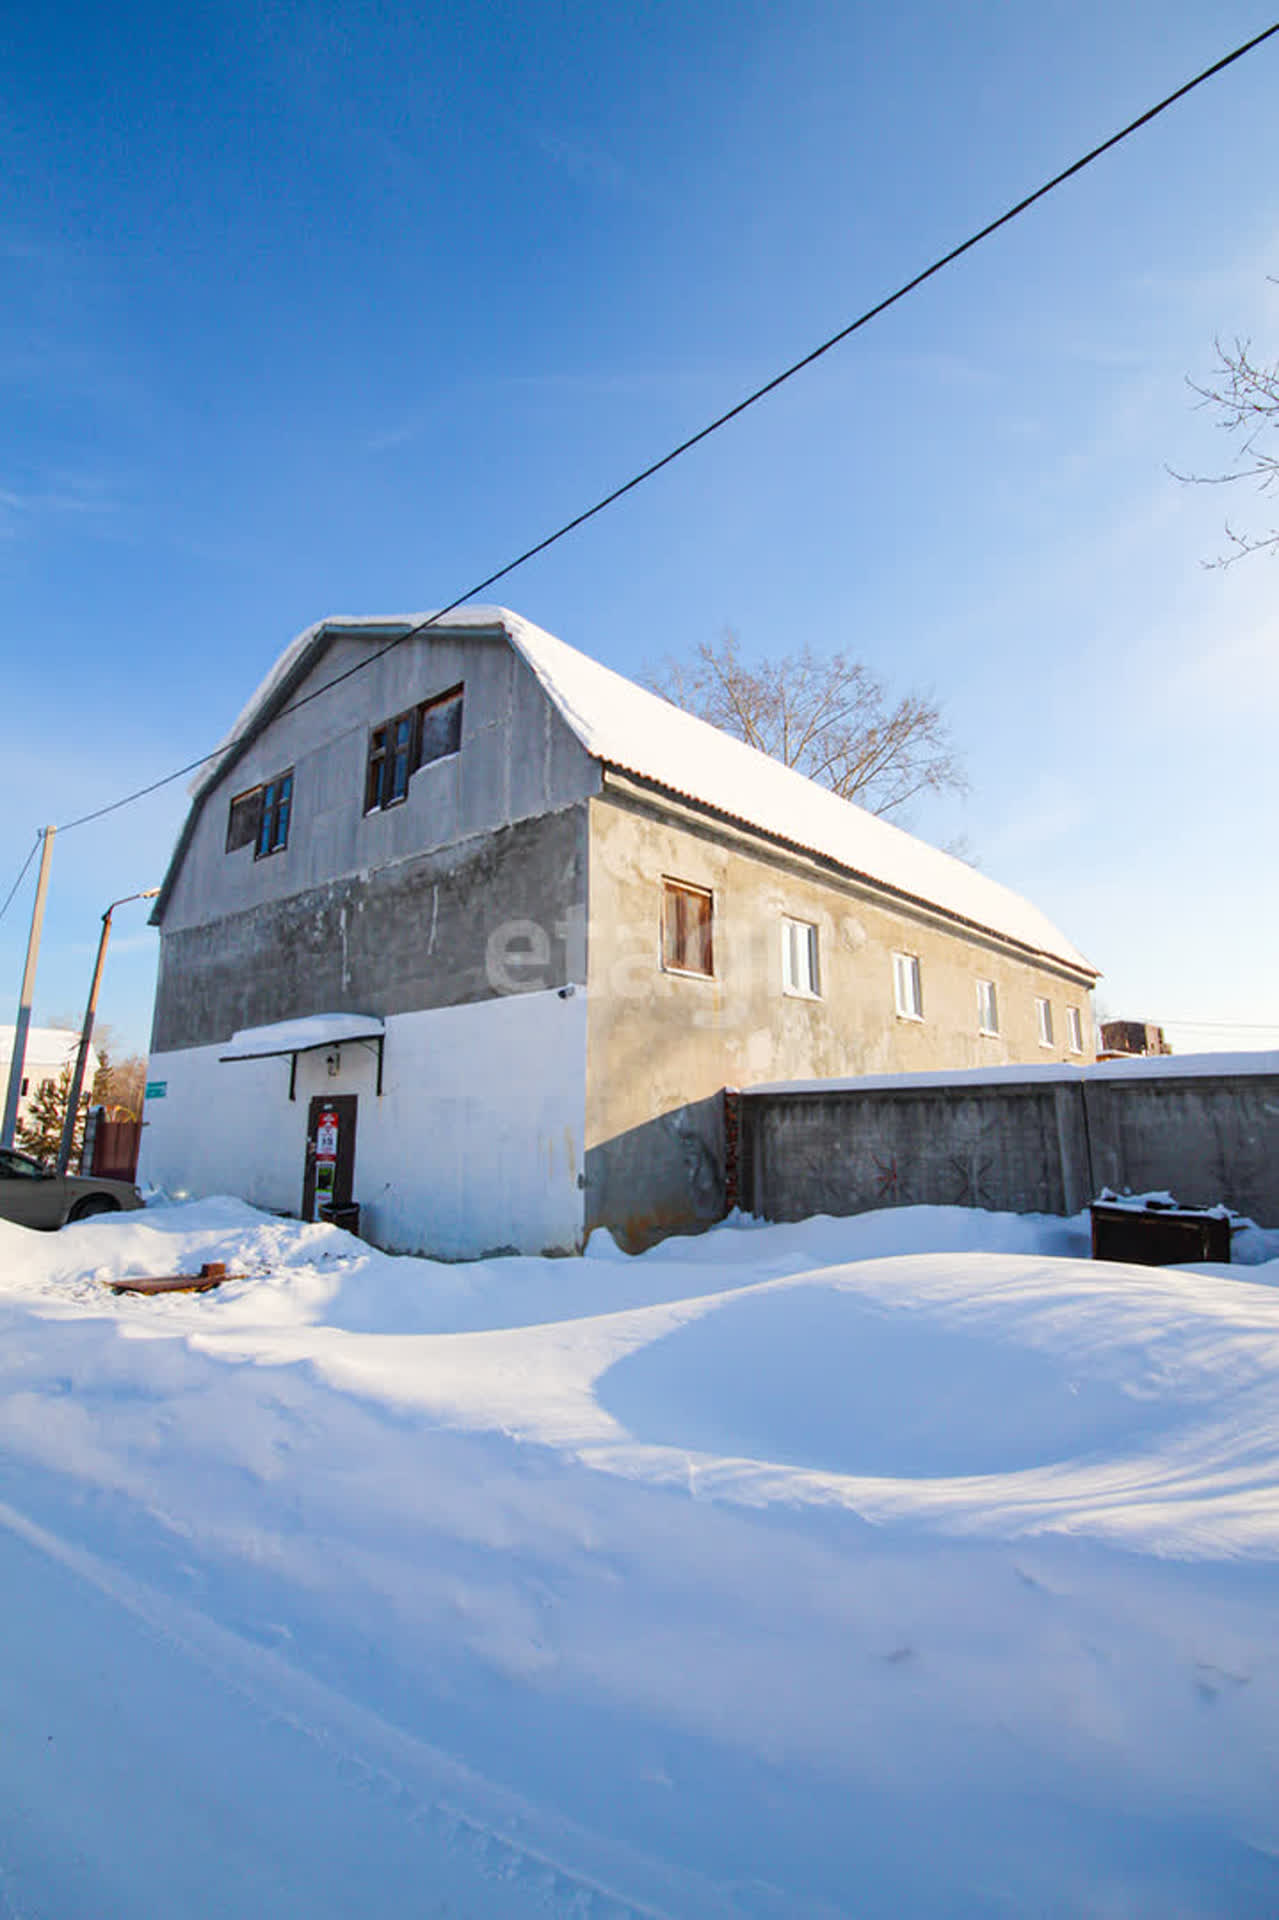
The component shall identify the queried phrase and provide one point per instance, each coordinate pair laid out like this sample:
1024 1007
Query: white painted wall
475 1144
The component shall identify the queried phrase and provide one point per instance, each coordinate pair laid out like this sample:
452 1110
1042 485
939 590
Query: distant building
49 1050
1123 1039
477 938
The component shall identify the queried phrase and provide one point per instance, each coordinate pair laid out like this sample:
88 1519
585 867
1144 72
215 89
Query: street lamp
86 1032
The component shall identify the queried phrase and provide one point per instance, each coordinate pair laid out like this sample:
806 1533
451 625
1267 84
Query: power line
21 877
722 420
1222 1026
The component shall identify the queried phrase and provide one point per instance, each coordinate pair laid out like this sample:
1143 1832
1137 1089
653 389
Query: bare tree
1244 395
831 719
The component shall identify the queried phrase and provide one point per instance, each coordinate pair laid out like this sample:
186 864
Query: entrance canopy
316 1033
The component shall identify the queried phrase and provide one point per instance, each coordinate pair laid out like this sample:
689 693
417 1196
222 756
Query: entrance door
330 1154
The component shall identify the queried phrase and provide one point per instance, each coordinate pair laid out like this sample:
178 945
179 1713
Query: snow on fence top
627 727
1163 1066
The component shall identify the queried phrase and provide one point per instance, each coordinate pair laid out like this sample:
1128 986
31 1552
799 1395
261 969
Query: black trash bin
1159 1236
344 1214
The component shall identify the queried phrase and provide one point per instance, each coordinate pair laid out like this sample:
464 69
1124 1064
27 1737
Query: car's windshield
19 1166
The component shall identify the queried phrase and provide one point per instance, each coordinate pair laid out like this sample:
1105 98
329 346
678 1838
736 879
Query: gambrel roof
624 726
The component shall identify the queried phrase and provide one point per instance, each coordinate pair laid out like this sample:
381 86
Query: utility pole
86 1032
19 1059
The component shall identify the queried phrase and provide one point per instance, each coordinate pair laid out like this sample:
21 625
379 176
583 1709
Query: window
987 1007
277 804
1074 1030
244 820
686 929
1044 1015
799 958
259 818
19 1166
907 986
390 750
408 741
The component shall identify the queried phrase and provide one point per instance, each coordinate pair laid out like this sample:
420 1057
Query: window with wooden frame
687 914
799 958
407 741
259 817
908 986
244 821
277 805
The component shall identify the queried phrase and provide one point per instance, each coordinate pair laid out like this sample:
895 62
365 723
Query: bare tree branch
1244 394
828 718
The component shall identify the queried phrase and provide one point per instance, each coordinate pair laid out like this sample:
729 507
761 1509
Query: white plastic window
1044 1017
908 986
799 958
1074 1030
987 1007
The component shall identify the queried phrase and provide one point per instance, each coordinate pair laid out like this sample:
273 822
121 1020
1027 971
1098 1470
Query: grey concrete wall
1016 1150
1207 1138
517 760
501 912
660 1046
1047 1146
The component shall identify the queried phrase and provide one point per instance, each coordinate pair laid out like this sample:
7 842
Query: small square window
799 958
987 1007
908 986
1074 1031
1044 1018
686 929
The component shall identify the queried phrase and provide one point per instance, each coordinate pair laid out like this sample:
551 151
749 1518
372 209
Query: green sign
156 1089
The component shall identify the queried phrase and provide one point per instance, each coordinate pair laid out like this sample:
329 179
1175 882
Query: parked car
32 1195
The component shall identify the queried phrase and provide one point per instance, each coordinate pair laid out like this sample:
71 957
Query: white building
49 1050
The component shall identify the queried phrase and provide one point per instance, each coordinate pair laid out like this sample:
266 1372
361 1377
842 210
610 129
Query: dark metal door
329 1178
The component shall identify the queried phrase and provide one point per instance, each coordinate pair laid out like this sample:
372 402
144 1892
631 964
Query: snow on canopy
306 1035
627 727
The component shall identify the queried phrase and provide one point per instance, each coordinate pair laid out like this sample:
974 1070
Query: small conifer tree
40 1133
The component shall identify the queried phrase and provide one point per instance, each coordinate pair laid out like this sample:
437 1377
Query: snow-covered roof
627 727
307 1035
47 1047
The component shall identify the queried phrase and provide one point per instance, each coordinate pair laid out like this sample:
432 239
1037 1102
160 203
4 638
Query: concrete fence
1017 1139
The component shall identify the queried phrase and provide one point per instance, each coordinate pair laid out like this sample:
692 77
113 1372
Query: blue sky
311 310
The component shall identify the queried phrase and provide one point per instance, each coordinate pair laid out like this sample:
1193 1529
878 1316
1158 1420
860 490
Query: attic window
277 805
259 817
244 820
407 741
686 929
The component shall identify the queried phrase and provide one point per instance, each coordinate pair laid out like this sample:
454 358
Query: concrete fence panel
1026 1141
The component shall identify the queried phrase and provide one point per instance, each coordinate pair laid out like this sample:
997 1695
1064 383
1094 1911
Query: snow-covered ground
908 1564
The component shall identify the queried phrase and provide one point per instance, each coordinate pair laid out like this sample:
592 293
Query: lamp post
14 1094
86 1032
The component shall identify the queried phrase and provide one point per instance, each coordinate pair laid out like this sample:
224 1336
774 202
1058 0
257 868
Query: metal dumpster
1158 1236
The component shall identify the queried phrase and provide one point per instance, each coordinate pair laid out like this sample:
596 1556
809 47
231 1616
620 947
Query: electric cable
8 902
722 420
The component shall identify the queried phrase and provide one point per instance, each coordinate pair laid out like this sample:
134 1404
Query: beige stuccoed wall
658 1042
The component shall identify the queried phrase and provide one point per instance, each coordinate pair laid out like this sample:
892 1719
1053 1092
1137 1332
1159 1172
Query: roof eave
1075 964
